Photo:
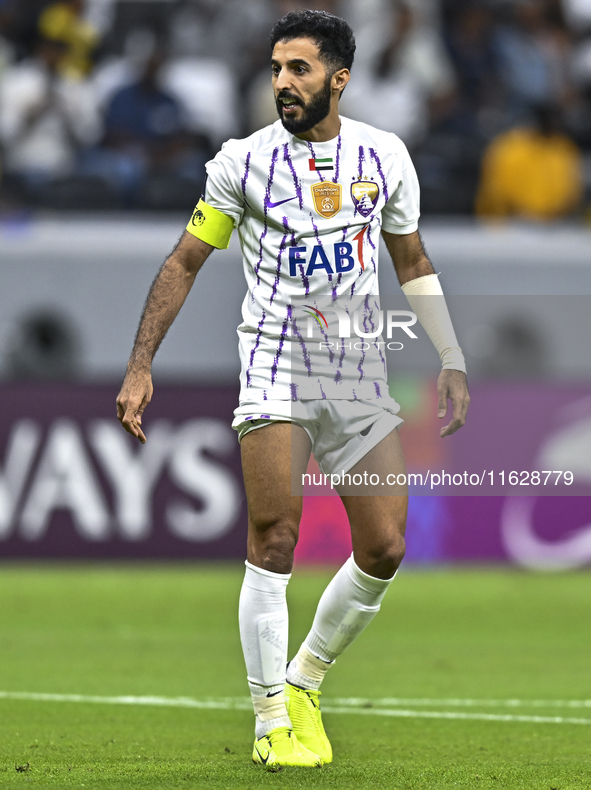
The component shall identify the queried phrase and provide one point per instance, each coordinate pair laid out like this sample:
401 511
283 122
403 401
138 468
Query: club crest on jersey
365 196
327 198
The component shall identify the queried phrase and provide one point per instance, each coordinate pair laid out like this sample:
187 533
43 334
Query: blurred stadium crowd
119 103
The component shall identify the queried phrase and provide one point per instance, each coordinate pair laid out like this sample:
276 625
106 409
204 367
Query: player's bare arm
411 262
408 256
166 297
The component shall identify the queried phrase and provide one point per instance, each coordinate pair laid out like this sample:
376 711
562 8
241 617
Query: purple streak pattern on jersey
305 353
329 347
315 226
360 161
282 337
360 365
366 318
305 280
373 247
254 348
374 155
338 158
335 294
270 179
339 374
265 210
296 181
335 288
319 240
383 358
282 247
339 278
244 178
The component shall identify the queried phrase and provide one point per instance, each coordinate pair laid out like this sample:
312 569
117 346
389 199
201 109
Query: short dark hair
333 35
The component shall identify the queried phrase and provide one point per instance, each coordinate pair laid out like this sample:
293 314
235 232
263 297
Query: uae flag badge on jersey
321 164
327 198
365 196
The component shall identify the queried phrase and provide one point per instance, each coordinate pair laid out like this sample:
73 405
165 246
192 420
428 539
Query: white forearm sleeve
434 317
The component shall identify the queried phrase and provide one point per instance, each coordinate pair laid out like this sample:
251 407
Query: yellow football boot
303 708
281 747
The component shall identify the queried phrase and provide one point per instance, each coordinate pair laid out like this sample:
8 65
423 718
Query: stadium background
108 111
120 664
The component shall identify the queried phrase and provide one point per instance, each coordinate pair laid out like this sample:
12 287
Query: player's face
302 87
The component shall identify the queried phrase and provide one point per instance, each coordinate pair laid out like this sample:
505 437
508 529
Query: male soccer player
309 195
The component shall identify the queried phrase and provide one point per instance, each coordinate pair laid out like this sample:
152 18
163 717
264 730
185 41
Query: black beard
315 110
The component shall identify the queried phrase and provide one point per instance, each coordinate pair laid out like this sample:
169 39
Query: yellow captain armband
211 226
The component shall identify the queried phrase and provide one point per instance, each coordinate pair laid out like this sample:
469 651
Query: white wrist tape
427 302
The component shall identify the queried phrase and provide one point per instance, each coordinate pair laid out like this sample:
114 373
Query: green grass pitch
479 637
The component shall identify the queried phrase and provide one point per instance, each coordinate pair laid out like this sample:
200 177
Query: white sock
348 605
263 632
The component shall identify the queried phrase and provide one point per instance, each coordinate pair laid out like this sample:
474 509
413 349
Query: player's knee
272 544
384 559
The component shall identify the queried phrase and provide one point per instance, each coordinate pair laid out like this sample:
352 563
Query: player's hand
136 393
452 384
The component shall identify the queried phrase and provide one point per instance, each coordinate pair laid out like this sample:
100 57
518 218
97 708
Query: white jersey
309 217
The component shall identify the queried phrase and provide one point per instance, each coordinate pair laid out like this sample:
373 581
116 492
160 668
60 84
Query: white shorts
341 431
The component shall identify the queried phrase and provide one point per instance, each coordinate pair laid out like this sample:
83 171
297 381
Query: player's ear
340 79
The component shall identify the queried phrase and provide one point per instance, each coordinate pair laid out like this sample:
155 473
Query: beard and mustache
314 111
